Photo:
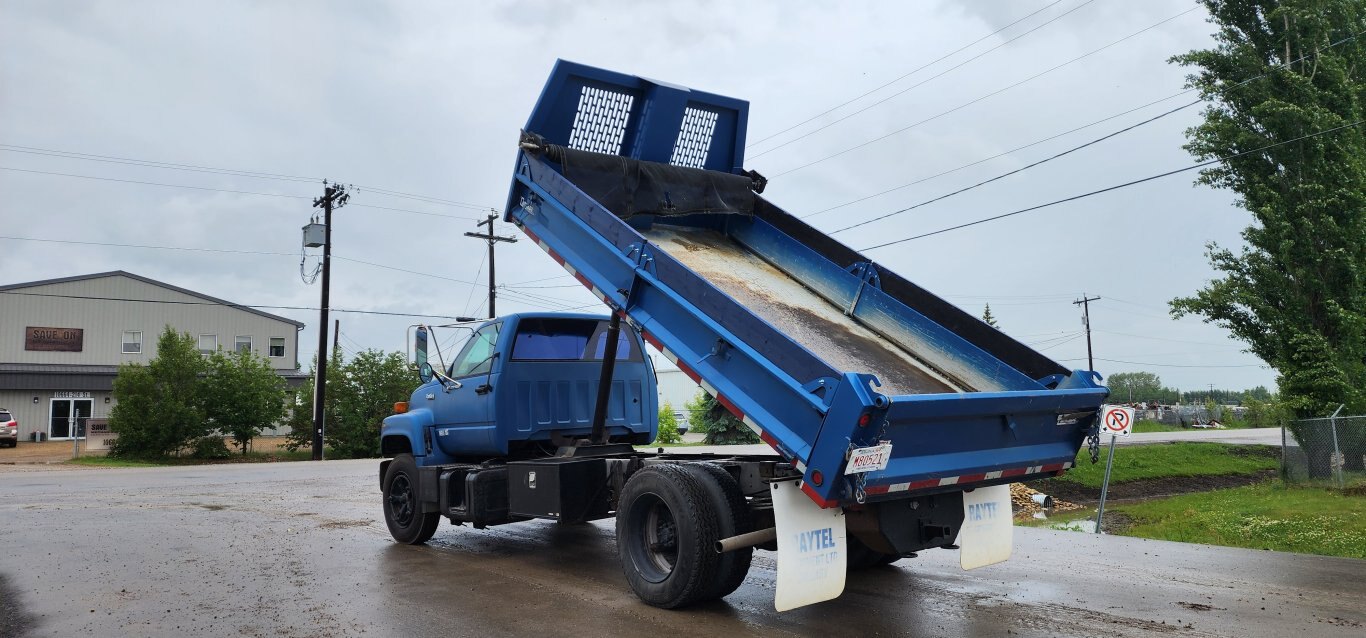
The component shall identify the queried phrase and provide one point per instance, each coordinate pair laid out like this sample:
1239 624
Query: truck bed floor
797 311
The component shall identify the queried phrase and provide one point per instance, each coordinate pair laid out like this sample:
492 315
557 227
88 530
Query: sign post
1116 421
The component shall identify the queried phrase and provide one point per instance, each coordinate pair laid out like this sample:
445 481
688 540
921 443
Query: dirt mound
1022 498
1148 488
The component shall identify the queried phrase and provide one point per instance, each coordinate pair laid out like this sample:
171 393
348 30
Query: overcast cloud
427 98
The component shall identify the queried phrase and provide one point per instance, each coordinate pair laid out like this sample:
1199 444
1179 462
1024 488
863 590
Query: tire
733 518
402 511
863 557
666 534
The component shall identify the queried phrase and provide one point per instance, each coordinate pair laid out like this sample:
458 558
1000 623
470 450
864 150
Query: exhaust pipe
746 540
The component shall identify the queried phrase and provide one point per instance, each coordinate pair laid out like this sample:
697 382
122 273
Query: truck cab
521 385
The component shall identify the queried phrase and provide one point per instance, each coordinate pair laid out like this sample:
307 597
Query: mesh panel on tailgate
600 123
694 137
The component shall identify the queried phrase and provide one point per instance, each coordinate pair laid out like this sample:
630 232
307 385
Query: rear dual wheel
669 518
861 556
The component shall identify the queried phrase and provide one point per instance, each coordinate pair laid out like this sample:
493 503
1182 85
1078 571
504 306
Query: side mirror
425 372
420 352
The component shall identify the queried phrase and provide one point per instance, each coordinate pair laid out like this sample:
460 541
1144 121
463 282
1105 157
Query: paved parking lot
297 549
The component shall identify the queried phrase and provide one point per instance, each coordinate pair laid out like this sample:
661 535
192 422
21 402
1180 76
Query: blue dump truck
896 419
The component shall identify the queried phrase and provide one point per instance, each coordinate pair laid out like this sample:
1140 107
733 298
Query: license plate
988 527
869 459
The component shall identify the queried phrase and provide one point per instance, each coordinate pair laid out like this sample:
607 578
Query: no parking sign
1116 420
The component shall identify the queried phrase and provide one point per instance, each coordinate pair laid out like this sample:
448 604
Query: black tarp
629 187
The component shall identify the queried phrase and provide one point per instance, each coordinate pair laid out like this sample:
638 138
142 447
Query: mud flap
988 527
812 553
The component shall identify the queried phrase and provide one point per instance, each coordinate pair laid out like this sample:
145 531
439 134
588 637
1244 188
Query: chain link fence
1329 451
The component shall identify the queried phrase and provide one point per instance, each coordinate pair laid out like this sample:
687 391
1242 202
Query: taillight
864 420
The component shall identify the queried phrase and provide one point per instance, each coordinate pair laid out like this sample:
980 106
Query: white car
9 429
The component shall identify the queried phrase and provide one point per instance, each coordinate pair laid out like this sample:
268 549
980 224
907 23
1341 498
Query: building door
62 412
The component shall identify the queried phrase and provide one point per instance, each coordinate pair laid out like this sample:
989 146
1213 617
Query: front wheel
402 510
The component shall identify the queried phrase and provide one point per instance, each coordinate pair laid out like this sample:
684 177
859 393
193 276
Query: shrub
668 425
159 411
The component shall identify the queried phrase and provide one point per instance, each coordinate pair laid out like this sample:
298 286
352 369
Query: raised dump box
638 189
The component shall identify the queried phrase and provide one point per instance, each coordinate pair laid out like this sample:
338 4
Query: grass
1137 462
1154 426
109 461
1268 515
250 457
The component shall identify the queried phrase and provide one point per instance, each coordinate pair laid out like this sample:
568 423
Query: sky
426 99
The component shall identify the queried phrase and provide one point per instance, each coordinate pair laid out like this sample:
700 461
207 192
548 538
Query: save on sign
1116 420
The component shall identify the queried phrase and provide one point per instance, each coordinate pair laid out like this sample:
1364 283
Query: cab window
568 340
477 355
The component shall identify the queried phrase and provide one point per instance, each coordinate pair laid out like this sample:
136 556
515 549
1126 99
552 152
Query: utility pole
1085 303
334 196
336 334
491 239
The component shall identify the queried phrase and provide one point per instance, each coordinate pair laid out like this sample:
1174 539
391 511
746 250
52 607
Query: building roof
122 273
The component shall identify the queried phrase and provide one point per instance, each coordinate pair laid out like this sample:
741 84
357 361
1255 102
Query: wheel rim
653 537
401 500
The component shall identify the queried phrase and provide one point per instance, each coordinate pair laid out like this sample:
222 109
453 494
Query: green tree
300 419
1135 387
159 409
989 318
668 425
364 390
241 395
721 426
696 408
1296 291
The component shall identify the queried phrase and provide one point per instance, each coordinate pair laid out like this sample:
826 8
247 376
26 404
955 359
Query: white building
62 340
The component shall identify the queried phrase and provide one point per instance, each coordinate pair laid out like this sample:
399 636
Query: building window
132 341
277 346
208 344
243 344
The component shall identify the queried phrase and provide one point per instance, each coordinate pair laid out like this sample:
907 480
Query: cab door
463 416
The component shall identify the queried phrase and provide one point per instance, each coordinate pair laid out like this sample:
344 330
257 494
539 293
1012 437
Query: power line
117 245
130 161
983 97
1200 343
917 70
1117 186
1168 365
470 297
219 190
1082 127
226 304
1018 170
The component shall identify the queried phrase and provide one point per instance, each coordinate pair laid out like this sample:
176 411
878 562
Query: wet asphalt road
298 549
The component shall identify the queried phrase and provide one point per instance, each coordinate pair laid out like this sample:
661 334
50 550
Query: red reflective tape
876 489
1017 471
920 485
730 406
824 504
768 438
527 229
1051 468
652 340
583 280
690 372
972 478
